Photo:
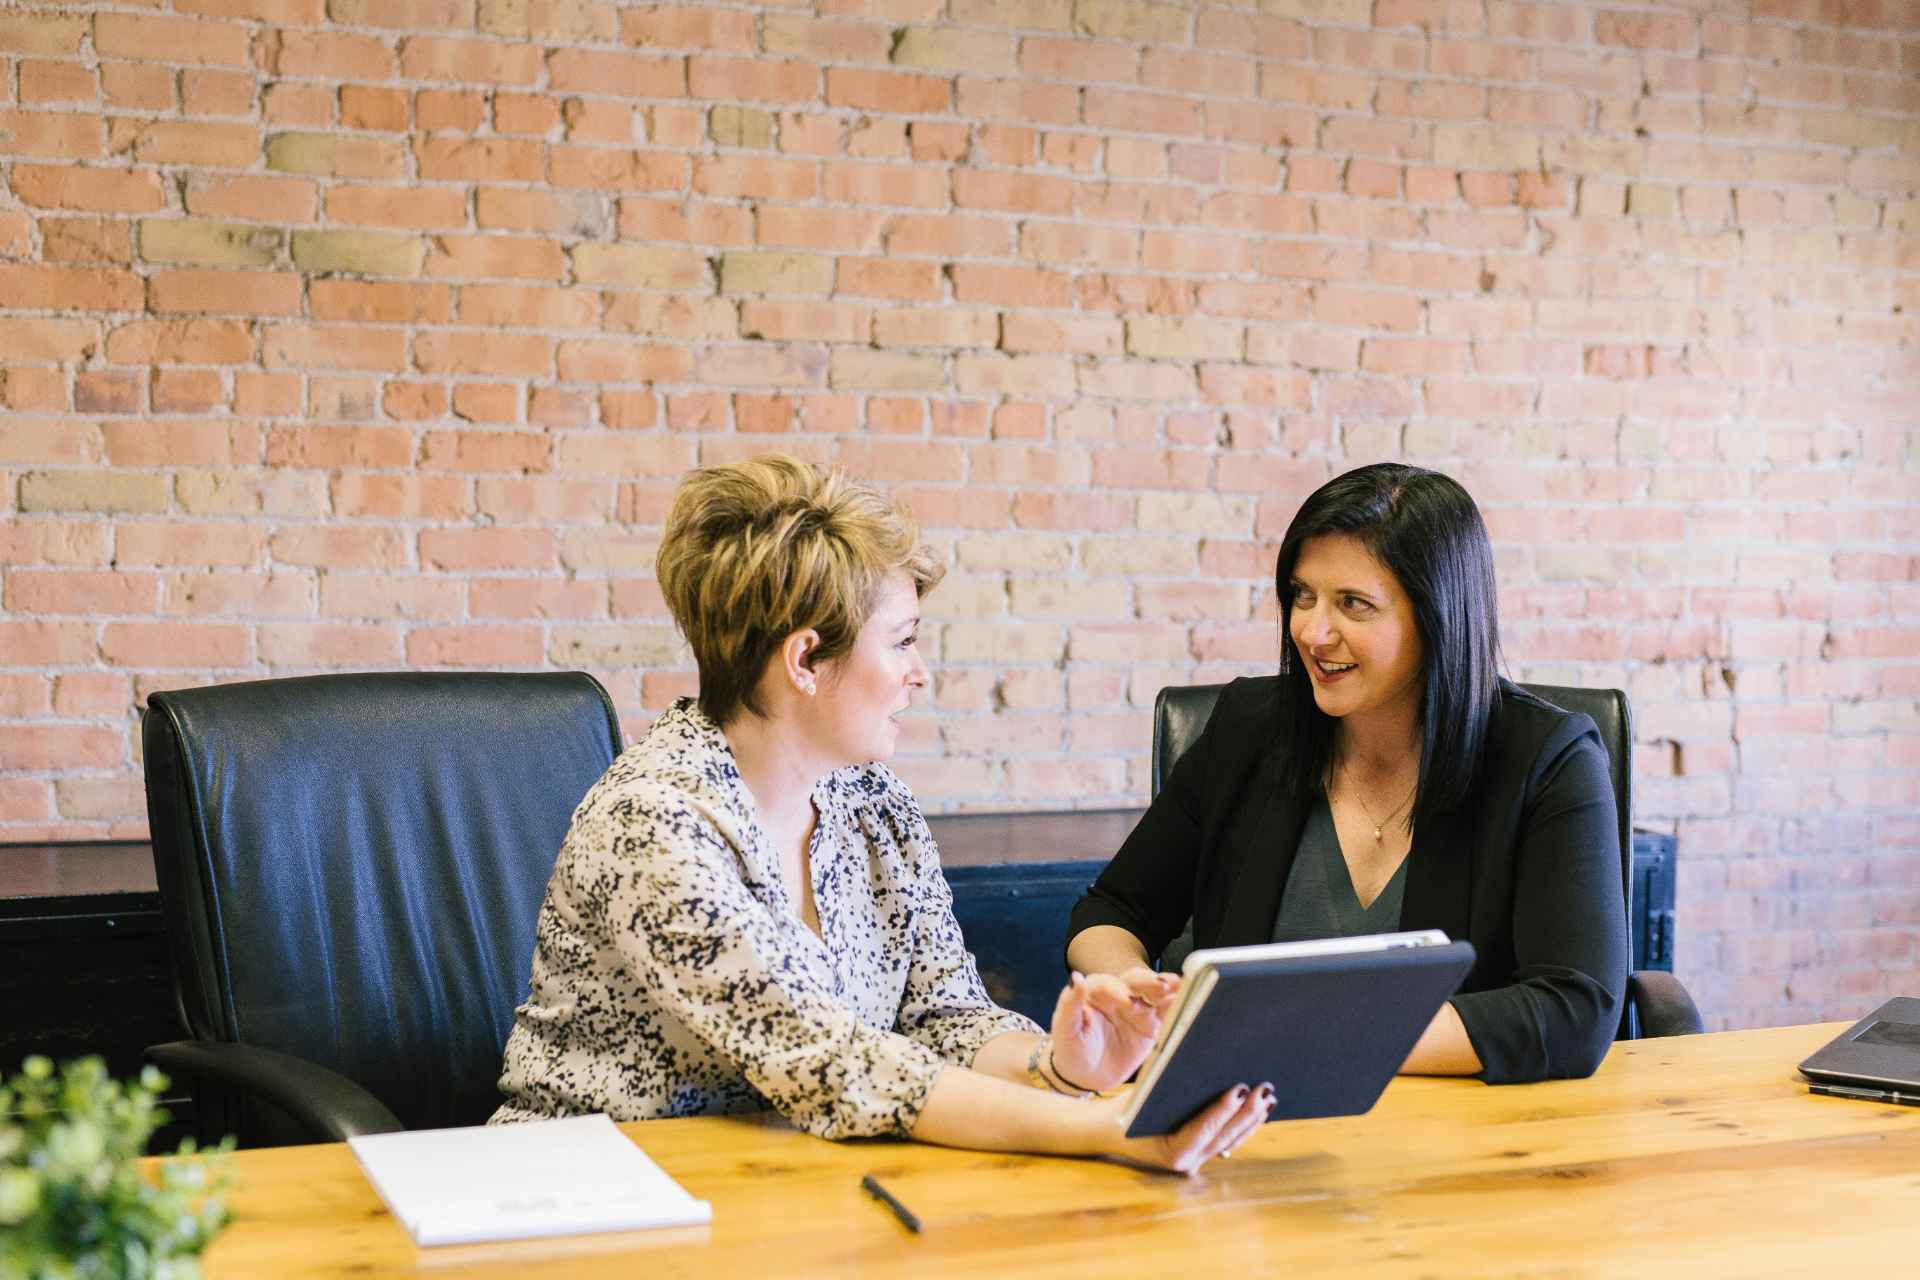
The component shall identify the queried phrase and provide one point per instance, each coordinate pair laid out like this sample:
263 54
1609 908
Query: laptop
1877 1058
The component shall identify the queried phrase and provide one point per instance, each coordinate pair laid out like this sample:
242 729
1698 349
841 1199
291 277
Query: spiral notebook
518 1181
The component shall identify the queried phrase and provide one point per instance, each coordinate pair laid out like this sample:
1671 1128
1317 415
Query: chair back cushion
1180 712
350 865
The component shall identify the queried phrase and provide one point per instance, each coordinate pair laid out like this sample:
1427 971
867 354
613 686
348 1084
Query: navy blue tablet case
1329 1031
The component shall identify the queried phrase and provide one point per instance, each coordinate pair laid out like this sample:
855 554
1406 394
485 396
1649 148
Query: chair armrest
325 1103
1664 1006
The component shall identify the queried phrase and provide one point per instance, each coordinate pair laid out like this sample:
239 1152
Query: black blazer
1528 871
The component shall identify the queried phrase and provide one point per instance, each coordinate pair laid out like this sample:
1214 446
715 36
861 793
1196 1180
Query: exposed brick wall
368 333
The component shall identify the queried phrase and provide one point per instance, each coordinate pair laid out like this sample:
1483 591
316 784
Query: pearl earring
807 686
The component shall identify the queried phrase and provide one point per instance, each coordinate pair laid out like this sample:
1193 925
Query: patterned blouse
672 974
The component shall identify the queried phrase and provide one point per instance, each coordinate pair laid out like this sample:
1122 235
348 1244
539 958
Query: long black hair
1425 529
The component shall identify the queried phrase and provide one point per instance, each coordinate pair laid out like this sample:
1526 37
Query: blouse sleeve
1557 1018
946 1006
685 924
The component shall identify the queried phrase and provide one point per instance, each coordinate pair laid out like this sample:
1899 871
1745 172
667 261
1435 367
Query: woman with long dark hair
1388 778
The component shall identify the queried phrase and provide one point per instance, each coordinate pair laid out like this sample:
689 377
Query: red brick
672 27
497 548
136 86
155 645
1010 286
380 302
415 206
753 80
529 307
489 62
451 158
98 190
1079 61
262 293
44 82
815 321
175 40
335 347
1020 100
816 40
618 169
888 278
342 645
322 445
493 646
1141 112
1012 192
297 104
1671 32
584 360
921 186
81 592
888 91
474 450
460 111
108 240
60 747
756 177
187 390
499 257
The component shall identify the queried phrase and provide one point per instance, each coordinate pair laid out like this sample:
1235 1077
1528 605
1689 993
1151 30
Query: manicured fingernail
1240 1093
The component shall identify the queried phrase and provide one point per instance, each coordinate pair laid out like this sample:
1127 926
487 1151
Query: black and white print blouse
672 974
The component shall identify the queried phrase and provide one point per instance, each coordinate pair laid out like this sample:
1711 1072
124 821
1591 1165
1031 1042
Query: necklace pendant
1376 833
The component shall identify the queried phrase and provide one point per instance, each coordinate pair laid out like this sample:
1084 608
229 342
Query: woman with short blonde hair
748 910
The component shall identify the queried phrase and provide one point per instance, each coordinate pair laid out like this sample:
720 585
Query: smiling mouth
1334 668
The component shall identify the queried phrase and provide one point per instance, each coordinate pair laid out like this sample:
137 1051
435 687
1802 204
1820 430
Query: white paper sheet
517 1181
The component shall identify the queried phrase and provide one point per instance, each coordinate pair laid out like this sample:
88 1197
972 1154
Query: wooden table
1698 1157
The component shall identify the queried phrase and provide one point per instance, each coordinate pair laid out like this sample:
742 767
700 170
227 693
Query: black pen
886 1197
1897 1098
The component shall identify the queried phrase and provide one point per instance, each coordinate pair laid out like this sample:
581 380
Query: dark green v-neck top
1319 901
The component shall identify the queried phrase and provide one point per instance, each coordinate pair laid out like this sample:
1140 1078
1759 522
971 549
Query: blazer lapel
1439 880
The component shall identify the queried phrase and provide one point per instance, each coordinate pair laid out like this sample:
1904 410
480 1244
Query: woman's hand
1218 1131
1105 1025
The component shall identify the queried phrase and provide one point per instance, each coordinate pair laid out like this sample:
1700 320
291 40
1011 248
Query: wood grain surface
1701 1157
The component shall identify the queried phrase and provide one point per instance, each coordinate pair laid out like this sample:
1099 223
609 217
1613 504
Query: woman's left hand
1105 1025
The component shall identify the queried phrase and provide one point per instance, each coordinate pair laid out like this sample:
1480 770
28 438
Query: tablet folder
1329 1023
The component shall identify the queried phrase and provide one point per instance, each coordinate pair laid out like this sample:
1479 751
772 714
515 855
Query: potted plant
74 1202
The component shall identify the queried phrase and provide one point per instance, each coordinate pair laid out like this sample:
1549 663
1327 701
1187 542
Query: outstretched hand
1230 1120
1105 1025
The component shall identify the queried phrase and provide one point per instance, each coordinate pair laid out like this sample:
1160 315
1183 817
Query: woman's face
862 691
1353 629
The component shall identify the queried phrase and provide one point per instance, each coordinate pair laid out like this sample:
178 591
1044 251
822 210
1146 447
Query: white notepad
517 1181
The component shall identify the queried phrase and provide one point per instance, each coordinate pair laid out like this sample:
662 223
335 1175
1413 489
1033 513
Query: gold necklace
1378 823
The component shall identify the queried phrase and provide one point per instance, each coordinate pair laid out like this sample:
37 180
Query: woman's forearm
975 1110
1106 948
1005 1056
1443 1048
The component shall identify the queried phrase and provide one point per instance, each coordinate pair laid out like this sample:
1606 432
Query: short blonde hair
757 550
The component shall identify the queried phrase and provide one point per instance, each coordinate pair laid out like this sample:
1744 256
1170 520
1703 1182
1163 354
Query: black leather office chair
1657 1004
349 868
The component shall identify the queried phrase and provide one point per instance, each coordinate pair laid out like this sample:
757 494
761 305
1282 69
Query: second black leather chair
350 867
